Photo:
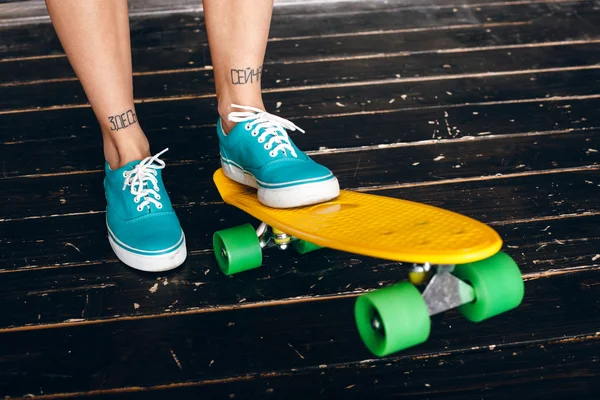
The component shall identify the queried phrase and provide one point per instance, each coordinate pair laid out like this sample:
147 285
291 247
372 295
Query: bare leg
95 37
143 230
238 33
257 152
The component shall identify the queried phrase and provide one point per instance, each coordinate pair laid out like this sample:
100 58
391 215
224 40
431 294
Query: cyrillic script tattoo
248 75
122 121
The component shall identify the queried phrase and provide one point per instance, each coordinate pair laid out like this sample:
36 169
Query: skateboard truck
443 292
398 317
273 238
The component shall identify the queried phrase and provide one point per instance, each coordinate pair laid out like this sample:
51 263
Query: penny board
373 225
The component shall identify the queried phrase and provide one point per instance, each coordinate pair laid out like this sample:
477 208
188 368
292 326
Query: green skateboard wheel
237 249
497 283
303 247
392 319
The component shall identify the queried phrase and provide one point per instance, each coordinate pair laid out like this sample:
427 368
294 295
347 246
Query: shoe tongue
130 165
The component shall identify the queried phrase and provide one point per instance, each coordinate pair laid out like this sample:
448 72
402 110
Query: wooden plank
291 22
435 101
29 12
497 372
81 151
39 242
487 156
166 115
295 76
174 56
161 351
548 223
107 290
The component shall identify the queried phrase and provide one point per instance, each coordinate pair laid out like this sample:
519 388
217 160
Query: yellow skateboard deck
373 225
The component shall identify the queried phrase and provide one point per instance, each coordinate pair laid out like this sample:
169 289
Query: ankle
121 150
225 109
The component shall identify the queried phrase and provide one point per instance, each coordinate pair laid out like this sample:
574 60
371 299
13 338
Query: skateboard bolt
376 324
224 253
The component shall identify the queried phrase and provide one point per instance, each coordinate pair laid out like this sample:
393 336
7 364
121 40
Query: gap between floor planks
262 304
348 34
584 337
559 217
553 99
16 22
371 148
334 59
378 82
292 300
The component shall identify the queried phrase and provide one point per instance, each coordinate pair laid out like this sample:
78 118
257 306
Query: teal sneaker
259 153
143 230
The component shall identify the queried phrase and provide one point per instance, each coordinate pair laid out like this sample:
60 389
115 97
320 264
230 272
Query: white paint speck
337 103
154 288
438 158
278 104
403 97
136 306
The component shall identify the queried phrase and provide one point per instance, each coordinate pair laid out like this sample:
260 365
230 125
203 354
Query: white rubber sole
289 197
158 263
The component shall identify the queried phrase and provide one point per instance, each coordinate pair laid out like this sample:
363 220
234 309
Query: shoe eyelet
159 206
247 126
267 146
136 200
158 197
139 208
261 140
272 153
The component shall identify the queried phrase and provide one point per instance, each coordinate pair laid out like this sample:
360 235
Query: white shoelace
139 179
272 126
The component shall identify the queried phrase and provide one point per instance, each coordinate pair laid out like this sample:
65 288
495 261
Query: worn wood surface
493 372
486 108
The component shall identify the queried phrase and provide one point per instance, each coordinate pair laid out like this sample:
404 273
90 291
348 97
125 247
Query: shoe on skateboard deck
455 258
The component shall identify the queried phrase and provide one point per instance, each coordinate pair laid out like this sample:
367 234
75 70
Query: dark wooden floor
488 108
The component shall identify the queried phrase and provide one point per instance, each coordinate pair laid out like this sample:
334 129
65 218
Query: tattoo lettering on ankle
248 75
122 121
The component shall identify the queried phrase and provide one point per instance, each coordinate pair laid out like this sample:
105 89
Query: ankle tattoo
248 75
122 121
